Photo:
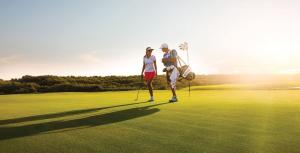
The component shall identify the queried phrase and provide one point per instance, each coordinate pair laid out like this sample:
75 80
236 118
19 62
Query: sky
109 37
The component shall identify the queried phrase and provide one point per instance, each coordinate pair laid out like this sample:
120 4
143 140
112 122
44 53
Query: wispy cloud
290 71
10 59
89 57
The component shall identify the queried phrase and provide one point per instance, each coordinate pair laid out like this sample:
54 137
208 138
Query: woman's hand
142 77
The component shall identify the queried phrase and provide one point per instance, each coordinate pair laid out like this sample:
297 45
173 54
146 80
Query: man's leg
174 98
169 81
173 91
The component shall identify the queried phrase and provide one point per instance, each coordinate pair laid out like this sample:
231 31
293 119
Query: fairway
211 121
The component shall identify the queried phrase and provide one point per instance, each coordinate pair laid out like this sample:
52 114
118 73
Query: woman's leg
150 88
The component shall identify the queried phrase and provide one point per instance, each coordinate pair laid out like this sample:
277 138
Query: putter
138 92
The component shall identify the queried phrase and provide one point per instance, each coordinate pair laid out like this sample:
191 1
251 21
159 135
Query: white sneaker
174 99
151 99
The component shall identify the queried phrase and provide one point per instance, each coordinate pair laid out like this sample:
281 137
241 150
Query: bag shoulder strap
180 60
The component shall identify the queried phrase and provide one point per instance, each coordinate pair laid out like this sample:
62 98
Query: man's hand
164 60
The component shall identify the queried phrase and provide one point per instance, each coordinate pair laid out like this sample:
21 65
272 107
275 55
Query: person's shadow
61 114
96 120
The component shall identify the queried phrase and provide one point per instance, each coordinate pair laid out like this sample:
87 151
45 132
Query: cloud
89 57
9 59
290 71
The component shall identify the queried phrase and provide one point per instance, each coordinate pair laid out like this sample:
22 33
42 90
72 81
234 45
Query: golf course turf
211 121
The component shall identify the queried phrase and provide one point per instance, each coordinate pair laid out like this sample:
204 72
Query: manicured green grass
227 121
251 86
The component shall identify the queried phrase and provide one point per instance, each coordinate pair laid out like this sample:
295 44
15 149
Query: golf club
138 92
137 95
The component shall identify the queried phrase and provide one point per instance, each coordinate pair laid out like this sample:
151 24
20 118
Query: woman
150 69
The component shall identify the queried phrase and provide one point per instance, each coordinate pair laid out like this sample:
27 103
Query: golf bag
185 70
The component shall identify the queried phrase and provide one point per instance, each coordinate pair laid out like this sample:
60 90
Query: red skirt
149 75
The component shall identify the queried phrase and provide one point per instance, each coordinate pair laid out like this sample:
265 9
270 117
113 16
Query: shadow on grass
62 114
91 121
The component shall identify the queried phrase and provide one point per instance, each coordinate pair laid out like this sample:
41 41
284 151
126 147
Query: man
170 62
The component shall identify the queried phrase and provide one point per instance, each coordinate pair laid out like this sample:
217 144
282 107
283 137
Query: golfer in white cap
170 62
150 69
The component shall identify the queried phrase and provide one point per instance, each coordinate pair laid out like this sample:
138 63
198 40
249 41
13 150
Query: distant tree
16 87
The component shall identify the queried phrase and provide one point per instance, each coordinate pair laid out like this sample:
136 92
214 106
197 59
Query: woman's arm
143 70
155 68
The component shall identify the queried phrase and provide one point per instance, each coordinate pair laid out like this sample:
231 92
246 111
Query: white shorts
173 76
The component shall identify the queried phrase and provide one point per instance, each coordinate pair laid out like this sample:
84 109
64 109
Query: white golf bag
185 70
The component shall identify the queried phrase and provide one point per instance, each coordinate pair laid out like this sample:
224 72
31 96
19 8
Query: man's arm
172 59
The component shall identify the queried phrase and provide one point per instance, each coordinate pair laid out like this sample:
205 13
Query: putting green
112 122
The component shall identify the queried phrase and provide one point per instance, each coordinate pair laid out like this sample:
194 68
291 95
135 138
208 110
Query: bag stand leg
189 88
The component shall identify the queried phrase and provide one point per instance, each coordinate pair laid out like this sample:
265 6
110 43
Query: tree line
50 83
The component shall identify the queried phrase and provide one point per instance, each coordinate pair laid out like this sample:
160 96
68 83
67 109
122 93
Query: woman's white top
149 63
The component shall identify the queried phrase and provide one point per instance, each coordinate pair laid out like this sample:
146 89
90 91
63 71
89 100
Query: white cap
164 45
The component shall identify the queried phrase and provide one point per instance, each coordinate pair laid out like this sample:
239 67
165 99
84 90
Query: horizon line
236 74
